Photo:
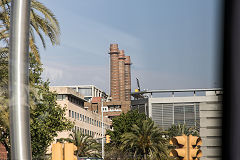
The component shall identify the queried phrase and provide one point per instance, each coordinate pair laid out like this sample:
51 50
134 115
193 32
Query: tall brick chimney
127 78
114 72
121 59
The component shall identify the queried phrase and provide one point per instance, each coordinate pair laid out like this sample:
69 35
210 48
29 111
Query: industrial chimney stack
120 74
127 78
114 72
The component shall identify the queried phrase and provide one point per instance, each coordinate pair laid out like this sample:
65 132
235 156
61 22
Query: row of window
72 99
86 131
86 119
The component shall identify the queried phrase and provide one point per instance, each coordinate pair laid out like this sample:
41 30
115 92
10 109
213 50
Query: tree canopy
86 145
135 136
146 141
123 124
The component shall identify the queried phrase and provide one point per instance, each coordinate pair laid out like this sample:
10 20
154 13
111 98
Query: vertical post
18 80
102 131
173 107
184 115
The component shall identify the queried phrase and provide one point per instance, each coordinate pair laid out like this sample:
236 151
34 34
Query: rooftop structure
88 91
199 108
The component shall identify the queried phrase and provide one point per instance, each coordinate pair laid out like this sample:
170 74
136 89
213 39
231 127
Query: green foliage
145 140
42 23
86 145
123 124
180 129
136 137
47 118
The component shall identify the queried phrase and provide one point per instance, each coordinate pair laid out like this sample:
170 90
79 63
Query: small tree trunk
144 154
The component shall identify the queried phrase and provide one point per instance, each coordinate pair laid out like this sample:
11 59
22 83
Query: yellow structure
194 144
69 149
136 90
57 151
181 143
108 139
187 147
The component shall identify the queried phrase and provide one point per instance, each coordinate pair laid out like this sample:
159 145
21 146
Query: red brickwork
120 84
121 59
3 152
114 72
127 78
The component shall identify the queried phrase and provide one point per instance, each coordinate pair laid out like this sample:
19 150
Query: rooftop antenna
138 85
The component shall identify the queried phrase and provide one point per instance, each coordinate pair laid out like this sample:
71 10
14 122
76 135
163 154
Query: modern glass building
201 108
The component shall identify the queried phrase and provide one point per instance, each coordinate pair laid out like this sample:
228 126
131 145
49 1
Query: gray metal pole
102 132
18 80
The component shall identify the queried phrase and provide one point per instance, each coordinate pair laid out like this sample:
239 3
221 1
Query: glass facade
85 91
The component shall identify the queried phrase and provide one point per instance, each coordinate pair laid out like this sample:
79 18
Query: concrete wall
211 130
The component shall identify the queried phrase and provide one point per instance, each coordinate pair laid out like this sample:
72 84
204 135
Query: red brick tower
114 72
127 78
121 59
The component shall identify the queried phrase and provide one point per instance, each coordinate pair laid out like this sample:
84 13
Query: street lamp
103 109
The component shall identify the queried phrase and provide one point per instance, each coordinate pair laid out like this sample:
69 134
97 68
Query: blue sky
173 44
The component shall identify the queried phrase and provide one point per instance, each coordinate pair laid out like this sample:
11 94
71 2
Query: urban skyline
173 45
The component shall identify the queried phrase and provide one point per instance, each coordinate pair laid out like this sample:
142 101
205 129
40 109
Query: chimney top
121 54
127 60
114 48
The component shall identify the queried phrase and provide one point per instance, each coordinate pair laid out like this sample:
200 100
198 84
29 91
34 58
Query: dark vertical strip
231 81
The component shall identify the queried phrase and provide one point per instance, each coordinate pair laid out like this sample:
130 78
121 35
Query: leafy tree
115 152
146 141
47 119
123 124
86 145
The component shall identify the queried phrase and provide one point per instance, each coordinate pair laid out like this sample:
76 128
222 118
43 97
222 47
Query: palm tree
42 22
87 146
145 141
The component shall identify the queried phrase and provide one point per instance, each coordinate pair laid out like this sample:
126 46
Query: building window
85 91
69 113
60 97
94 122
72 114
97 123
80 117
87 119
77 116
90 120
83 117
